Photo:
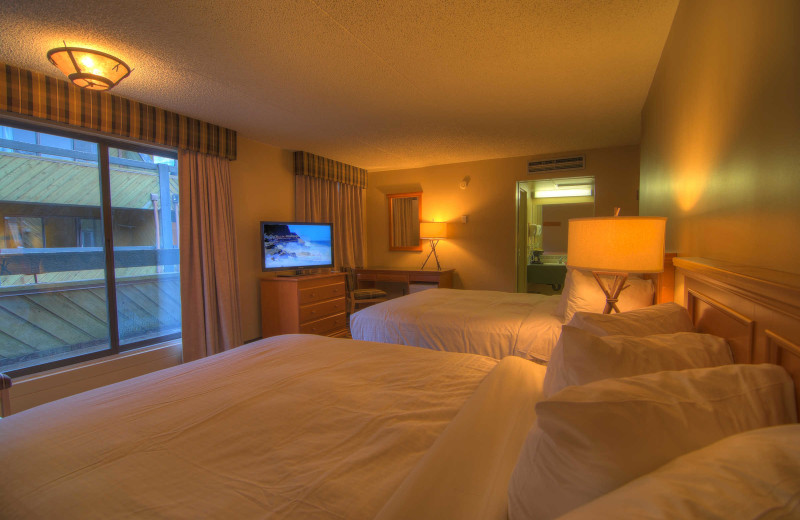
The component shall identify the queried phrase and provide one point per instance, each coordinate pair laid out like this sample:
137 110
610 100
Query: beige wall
557 216
483 250
263 189
720 151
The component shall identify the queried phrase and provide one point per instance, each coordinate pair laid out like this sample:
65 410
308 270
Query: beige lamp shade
617 244
89 69
432 230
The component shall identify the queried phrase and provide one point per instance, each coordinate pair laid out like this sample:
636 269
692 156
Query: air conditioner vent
553 165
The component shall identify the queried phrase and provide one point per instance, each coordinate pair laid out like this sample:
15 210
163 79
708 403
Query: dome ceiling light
87 68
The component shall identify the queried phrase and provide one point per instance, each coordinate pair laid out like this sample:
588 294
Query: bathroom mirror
405 210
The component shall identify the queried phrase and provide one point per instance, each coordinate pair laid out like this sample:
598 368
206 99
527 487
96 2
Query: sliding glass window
88 248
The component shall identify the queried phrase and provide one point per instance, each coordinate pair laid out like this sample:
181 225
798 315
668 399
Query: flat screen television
296 245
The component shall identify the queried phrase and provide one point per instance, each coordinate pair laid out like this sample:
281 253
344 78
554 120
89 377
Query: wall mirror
405 210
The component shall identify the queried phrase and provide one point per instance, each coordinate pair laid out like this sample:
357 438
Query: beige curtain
321 200
209 273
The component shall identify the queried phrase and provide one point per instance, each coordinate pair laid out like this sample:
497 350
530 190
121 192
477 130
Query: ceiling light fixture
87 68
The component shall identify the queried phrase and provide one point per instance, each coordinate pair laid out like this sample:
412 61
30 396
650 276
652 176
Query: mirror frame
390 200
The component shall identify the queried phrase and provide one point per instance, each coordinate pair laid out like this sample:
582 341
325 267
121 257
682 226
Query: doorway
542 225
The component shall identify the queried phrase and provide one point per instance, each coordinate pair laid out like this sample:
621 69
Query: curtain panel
210 310
312 165
37 95
320 200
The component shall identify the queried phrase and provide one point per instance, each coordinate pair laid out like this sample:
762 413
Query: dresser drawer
324 292
316 311
325 325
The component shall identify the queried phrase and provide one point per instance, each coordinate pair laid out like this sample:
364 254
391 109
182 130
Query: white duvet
287 427
489 323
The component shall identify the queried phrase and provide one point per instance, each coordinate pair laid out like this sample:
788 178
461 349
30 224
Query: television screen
296 245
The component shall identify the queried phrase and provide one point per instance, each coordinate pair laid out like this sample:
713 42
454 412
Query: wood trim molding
742 353
775 289
778 347
786 354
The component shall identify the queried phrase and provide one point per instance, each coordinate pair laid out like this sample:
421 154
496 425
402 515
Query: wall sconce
87 68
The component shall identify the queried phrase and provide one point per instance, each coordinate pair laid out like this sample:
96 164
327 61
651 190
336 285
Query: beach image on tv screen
296 245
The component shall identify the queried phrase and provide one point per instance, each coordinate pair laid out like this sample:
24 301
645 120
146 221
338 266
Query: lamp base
433 252
612 293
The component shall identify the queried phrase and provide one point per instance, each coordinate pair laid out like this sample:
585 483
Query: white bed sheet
287 427
489 323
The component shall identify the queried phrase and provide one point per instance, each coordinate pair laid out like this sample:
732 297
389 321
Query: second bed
490 323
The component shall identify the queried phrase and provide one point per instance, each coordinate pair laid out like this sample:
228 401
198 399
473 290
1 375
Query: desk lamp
616 246
433 231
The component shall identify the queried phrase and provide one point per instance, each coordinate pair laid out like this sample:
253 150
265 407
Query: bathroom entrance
544 207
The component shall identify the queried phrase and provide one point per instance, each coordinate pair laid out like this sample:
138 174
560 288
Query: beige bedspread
490 323
288 427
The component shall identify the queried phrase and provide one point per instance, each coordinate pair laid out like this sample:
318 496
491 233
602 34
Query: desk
367 276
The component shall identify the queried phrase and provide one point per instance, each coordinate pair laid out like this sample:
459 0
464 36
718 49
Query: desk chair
356 296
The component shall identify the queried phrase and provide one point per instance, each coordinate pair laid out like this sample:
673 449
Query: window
89 253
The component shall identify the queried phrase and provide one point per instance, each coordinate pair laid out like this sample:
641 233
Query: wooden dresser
312 304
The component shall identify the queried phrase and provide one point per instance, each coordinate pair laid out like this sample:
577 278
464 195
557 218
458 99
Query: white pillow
580 357
750 475
664 318
591 439
582 293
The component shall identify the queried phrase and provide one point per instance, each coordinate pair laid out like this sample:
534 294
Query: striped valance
315 166
40 96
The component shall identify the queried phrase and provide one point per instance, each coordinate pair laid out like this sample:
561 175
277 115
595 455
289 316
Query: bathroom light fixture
87 68
569 192
616 246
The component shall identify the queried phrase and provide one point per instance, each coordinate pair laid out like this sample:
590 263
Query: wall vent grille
553 165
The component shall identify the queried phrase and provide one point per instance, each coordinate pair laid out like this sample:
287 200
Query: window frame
103 143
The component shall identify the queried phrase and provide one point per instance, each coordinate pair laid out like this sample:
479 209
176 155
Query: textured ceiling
380 84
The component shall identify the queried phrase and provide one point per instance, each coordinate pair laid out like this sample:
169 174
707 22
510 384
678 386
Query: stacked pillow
580 357
582 293
664 318
620 407
727 479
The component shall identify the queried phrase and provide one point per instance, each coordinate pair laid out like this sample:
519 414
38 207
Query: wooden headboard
664 282
757 310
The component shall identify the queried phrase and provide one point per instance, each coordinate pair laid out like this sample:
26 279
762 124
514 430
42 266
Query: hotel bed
299 426
490 323
312 427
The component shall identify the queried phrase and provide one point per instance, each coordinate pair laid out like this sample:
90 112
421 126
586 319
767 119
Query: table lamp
616 246
433 231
